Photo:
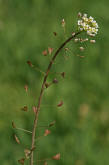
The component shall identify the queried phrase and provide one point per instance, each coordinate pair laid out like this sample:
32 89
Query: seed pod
52 123
21 161
13 125
25 108
26 88
50 50
63 74
56 157
47 132
60 104
45 163
55 34
16 139
29 63
45 53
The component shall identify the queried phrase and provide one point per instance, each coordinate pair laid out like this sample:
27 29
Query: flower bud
45 53
86 39
55 81
76 39
92 41
73 34
81 48
47 132
63 22
79 15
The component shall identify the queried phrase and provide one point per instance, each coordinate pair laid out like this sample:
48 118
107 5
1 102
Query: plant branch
42 91
24 130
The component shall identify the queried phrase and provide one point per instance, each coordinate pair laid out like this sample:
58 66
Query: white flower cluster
88 24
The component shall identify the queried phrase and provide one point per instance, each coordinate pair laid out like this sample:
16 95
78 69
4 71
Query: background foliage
81 133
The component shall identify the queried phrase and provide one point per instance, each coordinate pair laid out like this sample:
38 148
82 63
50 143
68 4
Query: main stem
42 91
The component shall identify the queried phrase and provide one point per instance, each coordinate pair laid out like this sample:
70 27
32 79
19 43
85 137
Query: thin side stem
42 91
24 130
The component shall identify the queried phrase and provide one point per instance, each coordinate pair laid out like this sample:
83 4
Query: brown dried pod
63 74
56 157
21 161
29 63
25 108
45 163
16 139
26 88
13 125
50 50
55 34
60 104
52 123
45 52
82 56
47 132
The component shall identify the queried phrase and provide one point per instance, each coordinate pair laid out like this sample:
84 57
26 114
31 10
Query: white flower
91 19
88 24
85 15
79 22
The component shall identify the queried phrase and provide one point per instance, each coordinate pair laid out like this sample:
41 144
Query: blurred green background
81 132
